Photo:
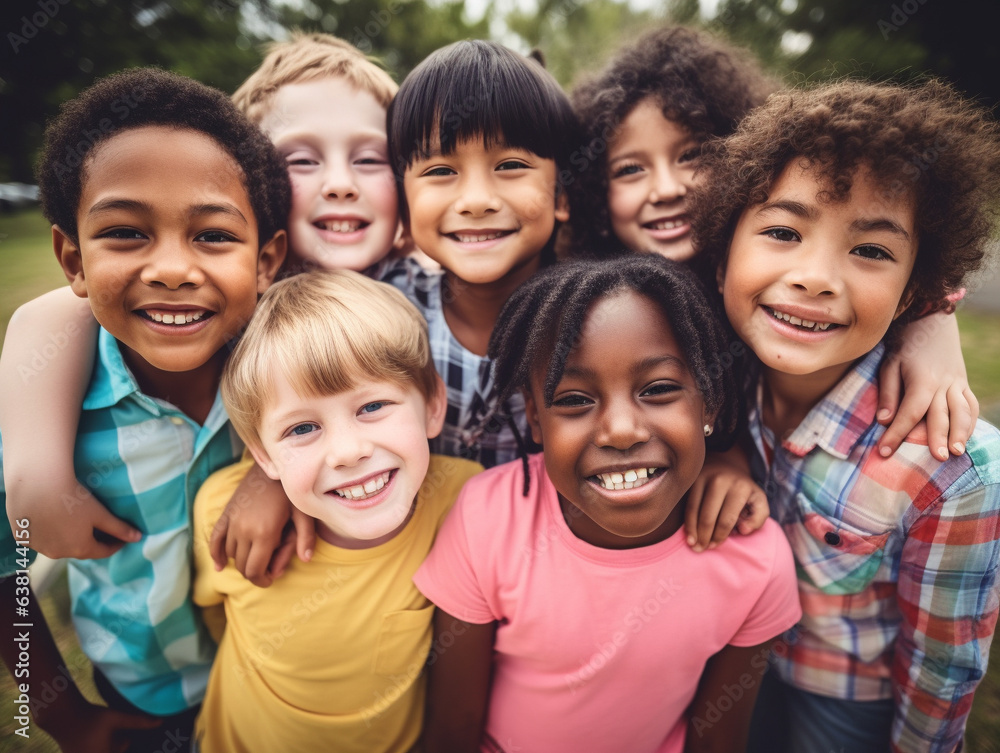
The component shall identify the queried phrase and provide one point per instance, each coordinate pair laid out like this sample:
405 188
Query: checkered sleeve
947 598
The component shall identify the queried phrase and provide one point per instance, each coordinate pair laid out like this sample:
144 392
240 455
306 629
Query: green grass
30 269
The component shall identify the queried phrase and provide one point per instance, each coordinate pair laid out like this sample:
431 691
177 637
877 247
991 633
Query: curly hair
704 84
922 140
146 97
542 321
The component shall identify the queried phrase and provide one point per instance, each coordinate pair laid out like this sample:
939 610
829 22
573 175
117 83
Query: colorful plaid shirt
897 561
476 427
145 460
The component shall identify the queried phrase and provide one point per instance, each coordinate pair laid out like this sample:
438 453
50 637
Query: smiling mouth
630 479
479 237
176 318
666 224
803 324
340 226
371 487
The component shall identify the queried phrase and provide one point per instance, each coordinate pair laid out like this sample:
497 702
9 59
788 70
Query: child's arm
947 600
458 684
45 366
77 725
251 529
929 370
739 667
723 497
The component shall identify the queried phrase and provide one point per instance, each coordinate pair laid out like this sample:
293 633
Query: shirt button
831 538
177 420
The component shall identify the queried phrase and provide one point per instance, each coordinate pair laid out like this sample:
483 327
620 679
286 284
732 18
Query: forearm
947 596
45 367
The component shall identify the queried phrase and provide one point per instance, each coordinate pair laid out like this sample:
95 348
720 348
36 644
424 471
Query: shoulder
445 478
764 550
983 449
492 506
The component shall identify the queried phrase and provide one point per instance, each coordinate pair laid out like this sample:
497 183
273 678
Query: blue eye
372 407
302 429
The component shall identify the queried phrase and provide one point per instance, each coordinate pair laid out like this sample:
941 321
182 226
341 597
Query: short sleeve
449 577
777 608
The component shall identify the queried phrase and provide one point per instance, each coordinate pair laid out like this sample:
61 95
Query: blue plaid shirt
145 460
476 426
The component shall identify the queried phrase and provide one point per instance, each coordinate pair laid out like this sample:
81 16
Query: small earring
708 430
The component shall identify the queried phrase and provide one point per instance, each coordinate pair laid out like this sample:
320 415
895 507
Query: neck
472 309
788 398
192 392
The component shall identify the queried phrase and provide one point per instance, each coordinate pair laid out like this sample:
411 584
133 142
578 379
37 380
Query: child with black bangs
827 243
647 115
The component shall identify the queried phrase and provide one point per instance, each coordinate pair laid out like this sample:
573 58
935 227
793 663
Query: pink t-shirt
597 649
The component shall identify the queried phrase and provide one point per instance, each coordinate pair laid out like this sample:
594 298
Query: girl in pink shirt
571 614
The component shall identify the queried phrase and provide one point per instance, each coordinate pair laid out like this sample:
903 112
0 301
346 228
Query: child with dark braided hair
647 115
557 580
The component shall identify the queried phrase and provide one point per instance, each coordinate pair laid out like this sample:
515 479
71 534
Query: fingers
963 411
937 426
889 384
305 534
282 555
104 521
692 508
911 411
755 512
255 562
217 544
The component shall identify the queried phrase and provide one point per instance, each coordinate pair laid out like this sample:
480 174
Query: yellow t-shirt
330 656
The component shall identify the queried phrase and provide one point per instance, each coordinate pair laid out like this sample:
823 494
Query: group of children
478 271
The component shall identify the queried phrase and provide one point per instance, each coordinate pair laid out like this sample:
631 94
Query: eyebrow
883 224
644 365
796 208
863 225
144 207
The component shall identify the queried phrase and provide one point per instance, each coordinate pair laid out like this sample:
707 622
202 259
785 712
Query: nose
621 426
815 272
338 182
347 448
477 196
172 264
668 184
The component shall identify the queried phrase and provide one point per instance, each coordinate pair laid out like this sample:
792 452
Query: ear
69 258
562 205
720 276
437 406
264 461
904 303
269 260
531 414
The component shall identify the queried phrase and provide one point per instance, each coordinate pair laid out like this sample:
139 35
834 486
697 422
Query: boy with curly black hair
168 210
837 214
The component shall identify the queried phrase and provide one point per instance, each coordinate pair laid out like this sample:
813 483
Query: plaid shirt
896 557
145 460
475 426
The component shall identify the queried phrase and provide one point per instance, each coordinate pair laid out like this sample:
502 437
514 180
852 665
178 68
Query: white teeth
630 479
475 238
340 226
665 224
175 318
363 491
803 323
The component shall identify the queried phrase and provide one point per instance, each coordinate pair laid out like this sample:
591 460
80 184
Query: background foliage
51 49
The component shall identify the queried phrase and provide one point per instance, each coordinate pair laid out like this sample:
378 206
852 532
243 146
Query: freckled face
811 285
623 438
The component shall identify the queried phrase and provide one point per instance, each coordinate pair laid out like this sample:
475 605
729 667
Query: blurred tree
54 48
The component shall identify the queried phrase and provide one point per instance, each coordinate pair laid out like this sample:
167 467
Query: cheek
381 192
303 194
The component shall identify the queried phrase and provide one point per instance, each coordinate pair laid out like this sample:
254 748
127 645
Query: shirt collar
838 421
112 381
